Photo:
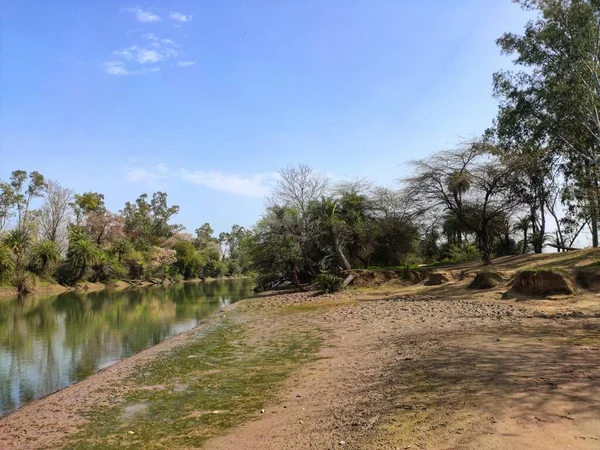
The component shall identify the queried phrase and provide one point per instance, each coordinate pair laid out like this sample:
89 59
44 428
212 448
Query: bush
460 253
25 282
7 264
328 283
66 274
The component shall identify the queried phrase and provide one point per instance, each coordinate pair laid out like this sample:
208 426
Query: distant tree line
73 237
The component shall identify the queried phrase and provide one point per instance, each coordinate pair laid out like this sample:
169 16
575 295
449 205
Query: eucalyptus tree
558 88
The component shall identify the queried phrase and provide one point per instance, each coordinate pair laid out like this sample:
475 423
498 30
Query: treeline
536 168
73 237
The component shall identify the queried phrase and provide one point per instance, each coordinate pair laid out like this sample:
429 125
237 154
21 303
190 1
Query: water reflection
47 343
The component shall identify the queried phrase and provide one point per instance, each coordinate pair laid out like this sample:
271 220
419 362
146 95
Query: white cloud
185 63
155 41
119 68
158 172
144 16
256 185
180 17
143 55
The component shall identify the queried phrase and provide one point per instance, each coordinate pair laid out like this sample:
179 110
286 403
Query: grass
198 391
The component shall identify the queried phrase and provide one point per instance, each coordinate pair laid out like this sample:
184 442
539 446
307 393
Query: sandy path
438 374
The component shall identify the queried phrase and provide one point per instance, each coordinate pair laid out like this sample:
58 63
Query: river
50 342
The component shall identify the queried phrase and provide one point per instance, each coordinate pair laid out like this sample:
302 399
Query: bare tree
471 182
298 186
56 213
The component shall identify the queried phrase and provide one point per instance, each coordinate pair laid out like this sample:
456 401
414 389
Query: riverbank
428 367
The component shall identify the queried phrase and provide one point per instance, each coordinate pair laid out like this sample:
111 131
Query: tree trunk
485 247
81 272
338 247
594 228
524 241
295 279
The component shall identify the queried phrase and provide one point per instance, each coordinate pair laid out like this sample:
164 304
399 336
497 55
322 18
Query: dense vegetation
536 168
74 237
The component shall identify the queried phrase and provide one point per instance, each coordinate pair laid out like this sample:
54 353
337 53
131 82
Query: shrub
25 282
66 274
328 283
460 253
7 264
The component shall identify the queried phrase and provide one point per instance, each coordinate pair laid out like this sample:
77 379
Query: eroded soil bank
402 369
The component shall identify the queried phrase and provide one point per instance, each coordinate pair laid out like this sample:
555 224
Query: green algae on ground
182 399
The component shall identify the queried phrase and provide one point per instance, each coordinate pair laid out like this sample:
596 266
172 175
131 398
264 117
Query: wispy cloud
156 41
144 16
119 68
256 185
143 55
185 63
158 172
179 17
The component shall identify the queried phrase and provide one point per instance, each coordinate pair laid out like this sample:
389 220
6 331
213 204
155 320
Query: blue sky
206 100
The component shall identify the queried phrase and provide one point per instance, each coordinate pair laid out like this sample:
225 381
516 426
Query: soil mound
543 283
589 278
370 278
414 276
487 280
437 278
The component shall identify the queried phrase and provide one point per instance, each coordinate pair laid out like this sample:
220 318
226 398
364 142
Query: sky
207 100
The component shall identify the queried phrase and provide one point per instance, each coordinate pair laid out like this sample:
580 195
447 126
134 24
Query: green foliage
25 282
82 253
44 255
460 253
328 283
7 265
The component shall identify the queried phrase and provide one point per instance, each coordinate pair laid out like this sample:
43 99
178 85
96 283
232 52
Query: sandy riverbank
417 367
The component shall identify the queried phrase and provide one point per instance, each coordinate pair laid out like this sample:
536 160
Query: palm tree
45 253
83 253
121 248
523 225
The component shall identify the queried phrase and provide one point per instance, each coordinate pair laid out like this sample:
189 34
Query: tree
82 253
22 195
275 248
44 254
298 186
87 203
149 221
472 182
55 214
523 225
557 95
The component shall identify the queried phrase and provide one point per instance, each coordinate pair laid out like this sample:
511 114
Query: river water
50 342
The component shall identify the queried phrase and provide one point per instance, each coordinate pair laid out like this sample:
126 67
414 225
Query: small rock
215 412
131 432
342 442
262 411
298 395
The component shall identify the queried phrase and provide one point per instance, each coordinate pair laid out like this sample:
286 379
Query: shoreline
382 369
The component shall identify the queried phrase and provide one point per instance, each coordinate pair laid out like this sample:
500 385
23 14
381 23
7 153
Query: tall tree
472 182
55 214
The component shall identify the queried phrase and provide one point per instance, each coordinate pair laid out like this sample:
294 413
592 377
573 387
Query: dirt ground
404 368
